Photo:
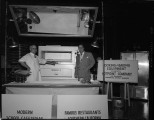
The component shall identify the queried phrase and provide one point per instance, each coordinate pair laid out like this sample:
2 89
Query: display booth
58 87
56 80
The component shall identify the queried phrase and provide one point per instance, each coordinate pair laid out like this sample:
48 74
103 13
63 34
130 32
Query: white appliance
66 58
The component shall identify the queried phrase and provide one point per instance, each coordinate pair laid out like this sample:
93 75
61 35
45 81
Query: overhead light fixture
20 15
13 43
85 17
41 20
28 21
86 24
34 17
96 43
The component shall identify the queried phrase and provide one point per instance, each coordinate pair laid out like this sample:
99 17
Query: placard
82 107
18 106
118 71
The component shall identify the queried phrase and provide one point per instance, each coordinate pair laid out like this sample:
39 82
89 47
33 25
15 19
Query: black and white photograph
76 59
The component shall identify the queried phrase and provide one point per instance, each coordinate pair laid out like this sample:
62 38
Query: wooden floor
138 110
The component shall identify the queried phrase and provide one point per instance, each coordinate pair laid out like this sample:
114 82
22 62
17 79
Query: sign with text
118 71
82 107
26 106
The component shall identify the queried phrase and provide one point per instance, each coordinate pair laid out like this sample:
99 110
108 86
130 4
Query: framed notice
118 71
17 106
82 107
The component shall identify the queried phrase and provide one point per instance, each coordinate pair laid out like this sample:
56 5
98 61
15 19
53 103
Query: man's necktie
81 56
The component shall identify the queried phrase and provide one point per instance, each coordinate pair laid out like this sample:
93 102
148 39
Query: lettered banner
118 71
82 107
18 106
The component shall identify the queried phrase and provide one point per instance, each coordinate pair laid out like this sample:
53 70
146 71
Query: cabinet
141 89
65 56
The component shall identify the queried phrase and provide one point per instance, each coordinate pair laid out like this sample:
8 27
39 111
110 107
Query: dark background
128 25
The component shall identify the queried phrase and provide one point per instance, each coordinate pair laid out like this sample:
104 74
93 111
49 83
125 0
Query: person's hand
52 62
28 69
55 62
23 72
82 80
27 73
75 75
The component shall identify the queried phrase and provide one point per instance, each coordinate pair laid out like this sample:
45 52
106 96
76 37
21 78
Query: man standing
31 62
84 62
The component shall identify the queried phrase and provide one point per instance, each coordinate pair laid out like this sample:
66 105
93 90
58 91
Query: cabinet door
56 72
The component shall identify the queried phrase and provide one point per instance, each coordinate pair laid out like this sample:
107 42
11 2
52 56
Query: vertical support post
5 67
108 86
128 94
103 45
125 91
111 90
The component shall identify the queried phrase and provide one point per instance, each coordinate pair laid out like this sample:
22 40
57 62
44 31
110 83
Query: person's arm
92 61
51 62
44 61
76 67
23 60
25 65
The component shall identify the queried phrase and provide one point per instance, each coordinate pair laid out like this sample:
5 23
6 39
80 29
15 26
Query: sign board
26 106
118 71
82 107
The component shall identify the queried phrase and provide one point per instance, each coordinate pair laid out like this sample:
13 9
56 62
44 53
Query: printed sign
26 106
118 71
82 107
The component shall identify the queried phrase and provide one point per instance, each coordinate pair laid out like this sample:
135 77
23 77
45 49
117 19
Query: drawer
59 72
